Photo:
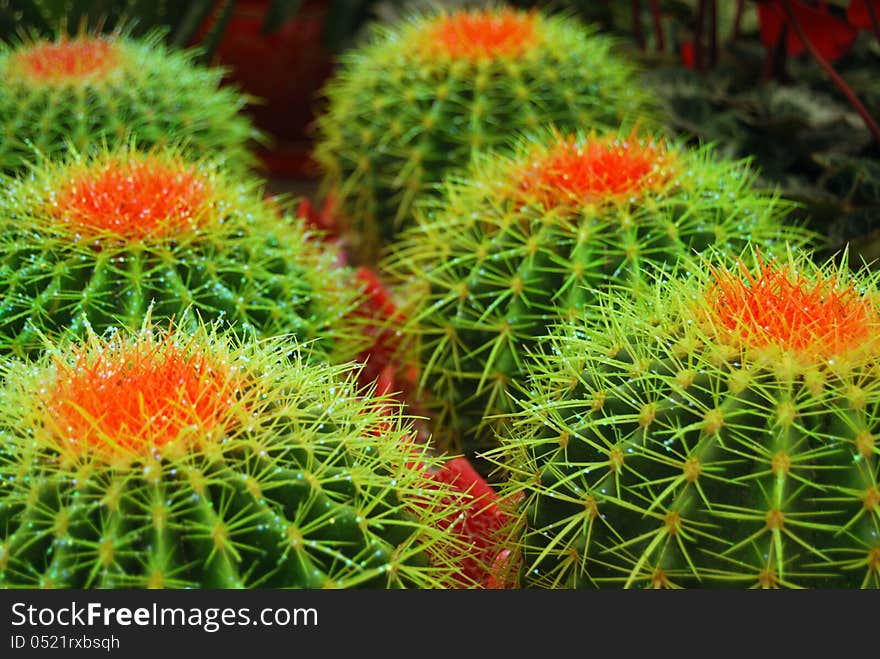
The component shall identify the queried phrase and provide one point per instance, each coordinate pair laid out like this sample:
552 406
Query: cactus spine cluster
183 459
720 433
105 89
98 239
422 96
521 242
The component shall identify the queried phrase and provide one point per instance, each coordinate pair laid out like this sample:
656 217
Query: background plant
790 84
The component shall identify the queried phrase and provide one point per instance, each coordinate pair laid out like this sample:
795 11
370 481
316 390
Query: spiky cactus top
92 89
521 242
171 459
420 97
99 239
720 433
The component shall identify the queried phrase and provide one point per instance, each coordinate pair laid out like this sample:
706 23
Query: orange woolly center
138 397
68 61
596 170
473 35
814 318
133 199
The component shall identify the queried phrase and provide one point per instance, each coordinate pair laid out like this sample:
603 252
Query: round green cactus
100 238
422 95
523 241
107 88
720 433
184 459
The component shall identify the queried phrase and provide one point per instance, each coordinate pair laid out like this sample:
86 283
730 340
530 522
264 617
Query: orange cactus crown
67 61
573 172
132 198
116 397
815 318
480 34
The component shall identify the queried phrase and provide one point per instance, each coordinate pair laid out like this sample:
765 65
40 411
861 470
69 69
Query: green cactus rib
297 481
398 118
242 260
492 273
652 449
155 94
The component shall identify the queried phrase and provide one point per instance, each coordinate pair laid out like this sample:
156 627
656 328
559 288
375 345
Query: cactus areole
480 34
813 318
607 169
132 199
721 433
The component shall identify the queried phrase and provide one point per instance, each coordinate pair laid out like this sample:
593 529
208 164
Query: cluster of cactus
421 96
256 453
719 433
523 241
97 240
109 88
622 332
184 459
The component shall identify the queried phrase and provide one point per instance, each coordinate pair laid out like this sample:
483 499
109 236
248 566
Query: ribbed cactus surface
721 433
184 459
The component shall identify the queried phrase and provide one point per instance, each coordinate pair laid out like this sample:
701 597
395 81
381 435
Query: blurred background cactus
91 88
426 93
